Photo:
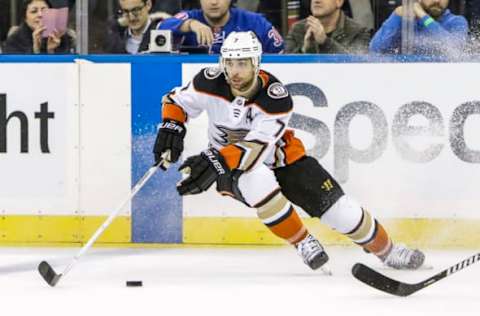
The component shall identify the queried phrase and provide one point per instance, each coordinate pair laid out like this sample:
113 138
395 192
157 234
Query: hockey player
257 160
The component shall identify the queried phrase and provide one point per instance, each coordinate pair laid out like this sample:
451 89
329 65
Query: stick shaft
112 216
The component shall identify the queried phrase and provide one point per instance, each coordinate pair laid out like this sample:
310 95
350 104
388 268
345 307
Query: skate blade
325 269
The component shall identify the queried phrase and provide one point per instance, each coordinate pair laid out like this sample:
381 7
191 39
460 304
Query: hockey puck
134 283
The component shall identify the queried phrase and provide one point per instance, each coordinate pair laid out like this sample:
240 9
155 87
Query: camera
160 41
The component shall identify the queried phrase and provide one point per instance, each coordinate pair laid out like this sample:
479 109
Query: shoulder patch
212 72
273 97
277 91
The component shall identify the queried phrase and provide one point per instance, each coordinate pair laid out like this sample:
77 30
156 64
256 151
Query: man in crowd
210 25
436 30
327 31
130 33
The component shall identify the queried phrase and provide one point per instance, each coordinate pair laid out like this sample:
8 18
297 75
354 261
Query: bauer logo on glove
169 140
172 126
214 161
204 171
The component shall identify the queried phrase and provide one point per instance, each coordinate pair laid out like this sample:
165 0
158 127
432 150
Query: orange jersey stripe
173 112
264 77
232 155
293 149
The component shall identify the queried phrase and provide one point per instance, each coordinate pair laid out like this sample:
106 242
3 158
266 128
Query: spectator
210 25
327 31
130 33
27 38
361 11
437 31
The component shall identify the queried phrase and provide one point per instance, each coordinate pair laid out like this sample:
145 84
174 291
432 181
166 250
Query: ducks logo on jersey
230 136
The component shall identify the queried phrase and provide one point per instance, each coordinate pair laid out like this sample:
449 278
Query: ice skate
312 252
402 258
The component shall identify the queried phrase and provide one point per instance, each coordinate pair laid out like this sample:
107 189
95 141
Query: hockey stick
383 283
46 270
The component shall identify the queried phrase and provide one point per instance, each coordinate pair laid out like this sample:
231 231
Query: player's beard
245 86
245 89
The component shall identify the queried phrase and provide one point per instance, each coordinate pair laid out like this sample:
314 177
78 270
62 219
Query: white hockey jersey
246 132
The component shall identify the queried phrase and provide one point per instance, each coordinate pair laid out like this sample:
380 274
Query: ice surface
223 281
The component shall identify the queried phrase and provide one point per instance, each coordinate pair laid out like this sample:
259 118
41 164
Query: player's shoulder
211 81
273 98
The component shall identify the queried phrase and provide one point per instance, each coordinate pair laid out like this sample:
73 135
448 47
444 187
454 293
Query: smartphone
55 19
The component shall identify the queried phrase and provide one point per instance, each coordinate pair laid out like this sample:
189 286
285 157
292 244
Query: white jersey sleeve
188 99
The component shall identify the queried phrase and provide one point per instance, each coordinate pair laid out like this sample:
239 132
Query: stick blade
381 282
48 274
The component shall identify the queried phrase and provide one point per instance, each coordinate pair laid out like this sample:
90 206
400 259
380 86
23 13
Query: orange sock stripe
290 228
380 243
173 112
232 155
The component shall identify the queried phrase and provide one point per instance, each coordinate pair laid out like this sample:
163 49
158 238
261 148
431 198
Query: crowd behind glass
293 27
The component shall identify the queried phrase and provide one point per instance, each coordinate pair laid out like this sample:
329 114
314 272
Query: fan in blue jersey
437 31
216 19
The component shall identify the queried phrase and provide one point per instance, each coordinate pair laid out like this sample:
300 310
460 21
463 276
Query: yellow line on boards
68 231
60 229
432 233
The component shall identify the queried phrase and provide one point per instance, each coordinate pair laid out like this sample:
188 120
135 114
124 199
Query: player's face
434 8
323 8
215 9
240 72
33 16
136 12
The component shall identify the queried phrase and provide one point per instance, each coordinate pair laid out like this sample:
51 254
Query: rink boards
76 135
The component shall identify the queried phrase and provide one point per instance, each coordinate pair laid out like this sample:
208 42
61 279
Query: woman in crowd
27 37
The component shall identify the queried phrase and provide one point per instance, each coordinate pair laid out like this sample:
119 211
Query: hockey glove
203 170
227 184
169 138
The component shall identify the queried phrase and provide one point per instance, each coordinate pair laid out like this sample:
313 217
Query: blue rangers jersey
240 20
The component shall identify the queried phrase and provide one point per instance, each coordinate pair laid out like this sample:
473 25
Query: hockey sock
281 218
379 242
347 217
